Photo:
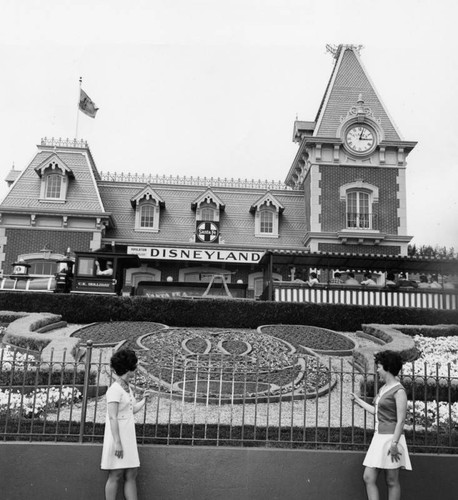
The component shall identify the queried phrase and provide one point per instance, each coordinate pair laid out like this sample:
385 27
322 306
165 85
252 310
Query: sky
213 87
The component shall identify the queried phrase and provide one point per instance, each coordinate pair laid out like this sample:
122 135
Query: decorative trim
359 185
208 197
147 193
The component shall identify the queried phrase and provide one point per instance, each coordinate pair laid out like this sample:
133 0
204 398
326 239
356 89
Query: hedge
222 313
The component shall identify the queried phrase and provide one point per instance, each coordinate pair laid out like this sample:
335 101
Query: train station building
344 193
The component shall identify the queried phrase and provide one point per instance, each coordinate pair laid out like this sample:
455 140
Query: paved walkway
61 345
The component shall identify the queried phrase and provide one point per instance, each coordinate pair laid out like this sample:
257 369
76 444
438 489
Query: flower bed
23 369
318 339
17 404
116 331
440 352
434 415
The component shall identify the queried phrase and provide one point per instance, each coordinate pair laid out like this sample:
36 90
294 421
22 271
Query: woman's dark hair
390 360
123 361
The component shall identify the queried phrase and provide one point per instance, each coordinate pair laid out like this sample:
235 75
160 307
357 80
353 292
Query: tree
430 251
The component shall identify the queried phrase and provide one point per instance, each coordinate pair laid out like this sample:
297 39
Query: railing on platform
64 401
289 291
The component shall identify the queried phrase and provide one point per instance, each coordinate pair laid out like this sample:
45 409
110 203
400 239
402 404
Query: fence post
87 374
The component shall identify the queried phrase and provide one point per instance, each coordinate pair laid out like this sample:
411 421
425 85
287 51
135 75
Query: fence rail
217 401
287 291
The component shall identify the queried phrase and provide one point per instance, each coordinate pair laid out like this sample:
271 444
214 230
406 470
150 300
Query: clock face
360 139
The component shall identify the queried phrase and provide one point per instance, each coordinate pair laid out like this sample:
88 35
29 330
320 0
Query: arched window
53 185
147 216
359 210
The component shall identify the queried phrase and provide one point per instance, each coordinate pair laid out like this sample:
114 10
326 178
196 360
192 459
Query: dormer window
53 185
208 213
146 213
267 210
147 204
266 220
55 175
208 207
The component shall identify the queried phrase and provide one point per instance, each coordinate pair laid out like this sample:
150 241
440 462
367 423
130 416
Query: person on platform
313 280
447 284
351 280
434 282
336 280
107 272
404 282
120 454
390 280
423 282
368 281
388 448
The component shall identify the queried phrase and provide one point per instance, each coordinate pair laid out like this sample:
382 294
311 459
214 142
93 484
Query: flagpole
78 107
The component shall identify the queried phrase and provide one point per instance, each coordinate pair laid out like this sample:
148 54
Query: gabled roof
53 161
208 197
267 199
147 193
349 80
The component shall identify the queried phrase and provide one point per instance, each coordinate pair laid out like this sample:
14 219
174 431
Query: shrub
226 313
28 343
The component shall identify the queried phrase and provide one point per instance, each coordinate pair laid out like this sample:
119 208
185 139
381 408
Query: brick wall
29 240
333 210
307 204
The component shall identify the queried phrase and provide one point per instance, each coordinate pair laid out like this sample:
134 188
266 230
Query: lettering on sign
196 254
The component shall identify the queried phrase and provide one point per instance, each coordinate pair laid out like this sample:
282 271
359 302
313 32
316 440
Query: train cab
101 272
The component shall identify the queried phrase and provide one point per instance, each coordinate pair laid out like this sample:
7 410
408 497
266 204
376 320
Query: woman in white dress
388 448
120 453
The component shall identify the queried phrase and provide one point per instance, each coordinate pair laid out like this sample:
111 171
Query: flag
87 105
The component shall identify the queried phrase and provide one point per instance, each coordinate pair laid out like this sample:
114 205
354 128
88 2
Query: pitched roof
178 220
349 80
82 194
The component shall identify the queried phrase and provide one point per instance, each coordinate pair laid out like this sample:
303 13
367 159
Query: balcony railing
360 221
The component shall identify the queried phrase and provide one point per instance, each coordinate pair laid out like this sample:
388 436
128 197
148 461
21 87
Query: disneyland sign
196 254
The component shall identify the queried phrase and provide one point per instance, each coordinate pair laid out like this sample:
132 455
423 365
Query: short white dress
126 423
377 455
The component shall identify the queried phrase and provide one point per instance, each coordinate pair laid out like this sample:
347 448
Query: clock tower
351 166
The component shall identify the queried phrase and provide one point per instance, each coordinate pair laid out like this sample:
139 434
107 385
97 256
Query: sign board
207 232
196 254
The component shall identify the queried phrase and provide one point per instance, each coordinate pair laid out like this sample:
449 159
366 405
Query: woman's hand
394 452
147 394
118 450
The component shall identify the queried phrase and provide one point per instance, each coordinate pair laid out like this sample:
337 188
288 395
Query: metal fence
218 400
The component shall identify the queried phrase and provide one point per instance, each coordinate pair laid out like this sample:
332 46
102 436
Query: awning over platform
366 262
